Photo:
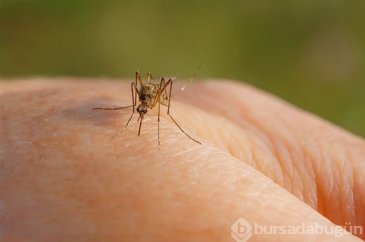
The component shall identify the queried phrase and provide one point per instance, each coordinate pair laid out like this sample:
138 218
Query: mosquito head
142 109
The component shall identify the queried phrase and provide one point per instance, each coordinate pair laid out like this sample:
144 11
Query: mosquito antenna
190 80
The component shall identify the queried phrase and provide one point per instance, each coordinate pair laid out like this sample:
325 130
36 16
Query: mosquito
149 95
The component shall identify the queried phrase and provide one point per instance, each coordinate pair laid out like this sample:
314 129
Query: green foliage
309 52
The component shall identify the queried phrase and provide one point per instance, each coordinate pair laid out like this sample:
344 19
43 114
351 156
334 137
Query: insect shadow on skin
149 95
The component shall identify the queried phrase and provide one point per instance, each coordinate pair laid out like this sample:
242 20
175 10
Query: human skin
70 173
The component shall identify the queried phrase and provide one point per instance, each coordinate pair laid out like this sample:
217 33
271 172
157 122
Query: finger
318 162
64 181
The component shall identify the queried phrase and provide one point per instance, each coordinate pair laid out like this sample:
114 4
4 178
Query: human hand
68 174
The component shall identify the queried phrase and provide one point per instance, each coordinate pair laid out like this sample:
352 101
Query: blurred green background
310 53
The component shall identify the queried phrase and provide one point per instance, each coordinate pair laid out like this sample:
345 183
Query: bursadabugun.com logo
242 230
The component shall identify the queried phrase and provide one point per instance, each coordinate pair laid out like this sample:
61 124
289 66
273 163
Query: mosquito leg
162 89
128 120
183 130
133 99
134 95
134 91
162 84
138 78
123 127
117 108
166 93
158 123
168 107
168 112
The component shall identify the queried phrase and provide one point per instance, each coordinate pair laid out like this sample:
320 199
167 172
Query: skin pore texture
70 173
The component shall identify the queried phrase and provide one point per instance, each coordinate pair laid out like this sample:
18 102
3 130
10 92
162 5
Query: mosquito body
149 95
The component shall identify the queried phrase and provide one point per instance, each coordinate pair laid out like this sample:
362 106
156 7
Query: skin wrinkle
249 152
333 202
307 185
290 163
297 155
358 207
323 181
341 185
285 157
287 165
338 216
241 110
350 209
270 167
258 149
346 191
309 163
222 103
263 134
222 108
312 155
331 134
352 189
313 196
342 207
357 189
361 197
